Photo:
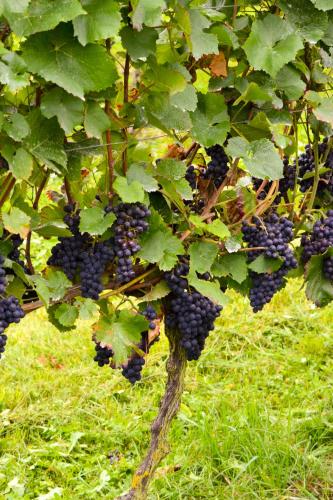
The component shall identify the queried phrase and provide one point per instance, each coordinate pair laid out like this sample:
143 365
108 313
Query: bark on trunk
169 406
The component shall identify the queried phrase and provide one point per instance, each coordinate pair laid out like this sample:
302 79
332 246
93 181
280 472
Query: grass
256 420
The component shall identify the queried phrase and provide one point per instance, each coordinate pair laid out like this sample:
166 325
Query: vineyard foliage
89 89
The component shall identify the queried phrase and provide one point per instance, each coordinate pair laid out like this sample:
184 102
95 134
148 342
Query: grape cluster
191 176
10 312
67 254
93 263
306 163
218 167
272 236
189 312
320 239
103 354
328 268
130 222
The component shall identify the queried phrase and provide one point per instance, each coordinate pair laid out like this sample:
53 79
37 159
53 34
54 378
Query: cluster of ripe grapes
319 241
133 368
307 166
271 238
192 314
80 254
10 309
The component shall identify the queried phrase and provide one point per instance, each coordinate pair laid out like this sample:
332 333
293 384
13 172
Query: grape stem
169 406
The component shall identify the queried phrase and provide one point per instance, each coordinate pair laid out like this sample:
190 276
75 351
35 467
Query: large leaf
159 245
186 99
46 140
271 44
202 255
147 12
59 58
96 121
211 120
139 44
102 20
121 331
162 114
143 175
202 42
16 126
171 169
129 192
260 157
94 220
9 6
310 22
210 289
233 265
21 164
43 15
289 80
67 108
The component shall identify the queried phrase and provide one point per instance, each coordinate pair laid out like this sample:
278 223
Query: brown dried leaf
218 65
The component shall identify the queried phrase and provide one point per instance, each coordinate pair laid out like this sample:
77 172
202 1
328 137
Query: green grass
256 419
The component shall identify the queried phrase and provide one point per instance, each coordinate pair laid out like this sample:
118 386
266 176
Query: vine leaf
186 100
271 44
139 44
17 222
260 157
263 264
67 108
21 164
57 283
202 255
318 288
66 314
233 265
202 42
94 220
8 6
121 331
218 65
147 12
42 15
101 20
310 23
142 175
159 245
16 126
171 169
324 111
210 289
87 308
158 291
96 121
129 192
13 72
322 4
210 120
59 58
46 140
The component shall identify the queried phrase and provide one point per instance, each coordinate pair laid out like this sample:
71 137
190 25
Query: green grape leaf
52 311
58 283
159 245
147 12
260 157
167 78
171 169
323 4
102 20
16 126
87 308
216 227
263 264
66 314
289 80
94 221
139 44
211 120
186 100
157 292
142 175
254 93
310 23
21 164
59 58
8 6
233 265
121 331
210 289
42 289
163 115
324 111
17 222
129 192
202 255
43 15
67 108
53 228
96 121
13 72
271 44
318 288
177 191
46 140
202 42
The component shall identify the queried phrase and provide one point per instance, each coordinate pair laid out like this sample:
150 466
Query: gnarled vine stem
169 406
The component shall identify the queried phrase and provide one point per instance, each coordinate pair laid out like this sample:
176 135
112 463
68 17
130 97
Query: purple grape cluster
321 238
10 312
103 354
218 167
306 163
272 236
191 176
189 312
129 224
93 263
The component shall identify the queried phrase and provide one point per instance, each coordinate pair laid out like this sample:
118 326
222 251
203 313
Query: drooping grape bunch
320 239
93 263
218 167
129 224
189 312
271 238
307 164
10 312
103 354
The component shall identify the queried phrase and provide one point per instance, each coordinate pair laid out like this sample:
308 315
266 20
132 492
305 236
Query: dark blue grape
321 238
10 312
218 167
